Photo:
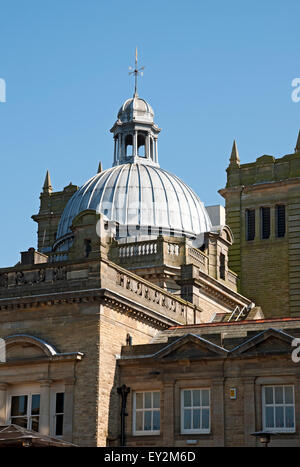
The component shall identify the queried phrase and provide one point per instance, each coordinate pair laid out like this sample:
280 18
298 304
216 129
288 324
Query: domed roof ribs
99 206
165 192
140 195
115 192
153 193
85 204
177 197
183 185
127 193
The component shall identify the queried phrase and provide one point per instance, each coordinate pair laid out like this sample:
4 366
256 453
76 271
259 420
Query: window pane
20 421
147 420
289 395
148 400
265 222
59 425
196 419
35 404
250 224
156 420
279 417
156 400
196 398
205 418
205 397
278 395
139 421
35 423
269 417
59 402
269 395
187 398
18 405
280 221
289 417
187 419
139 400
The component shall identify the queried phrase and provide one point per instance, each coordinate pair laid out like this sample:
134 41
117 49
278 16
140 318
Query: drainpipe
123 391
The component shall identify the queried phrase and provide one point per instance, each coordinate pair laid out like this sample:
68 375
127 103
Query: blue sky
215 71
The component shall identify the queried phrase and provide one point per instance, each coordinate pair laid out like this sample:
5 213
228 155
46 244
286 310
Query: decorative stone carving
3 280
59 274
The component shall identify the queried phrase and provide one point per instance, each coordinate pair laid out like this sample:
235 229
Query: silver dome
136 109
139 195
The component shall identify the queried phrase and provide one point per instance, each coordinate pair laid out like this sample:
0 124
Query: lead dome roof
139 195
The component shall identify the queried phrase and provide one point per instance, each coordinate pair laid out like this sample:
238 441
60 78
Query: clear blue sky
215 71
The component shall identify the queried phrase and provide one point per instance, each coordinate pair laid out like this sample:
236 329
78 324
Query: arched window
128 145
141 144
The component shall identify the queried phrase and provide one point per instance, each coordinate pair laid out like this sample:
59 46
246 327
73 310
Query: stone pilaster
44 425
168 415
68 410
3 398
249 411
217 412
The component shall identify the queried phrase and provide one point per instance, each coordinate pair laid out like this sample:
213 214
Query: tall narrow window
146 413
250 224
278 408
280 220
195 411
265 222
59 413
222 266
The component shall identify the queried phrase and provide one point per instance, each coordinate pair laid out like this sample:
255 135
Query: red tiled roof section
235 323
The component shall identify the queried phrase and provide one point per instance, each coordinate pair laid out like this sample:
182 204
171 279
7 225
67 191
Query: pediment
271 341
191 347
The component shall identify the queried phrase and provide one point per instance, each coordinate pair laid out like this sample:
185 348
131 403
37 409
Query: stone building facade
210 380
131 287
263 212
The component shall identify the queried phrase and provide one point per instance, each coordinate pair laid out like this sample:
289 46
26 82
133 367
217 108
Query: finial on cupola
297 148
234 158
100 168
47 188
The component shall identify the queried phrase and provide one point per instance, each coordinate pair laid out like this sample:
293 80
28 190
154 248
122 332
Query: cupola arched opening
128 145
141 143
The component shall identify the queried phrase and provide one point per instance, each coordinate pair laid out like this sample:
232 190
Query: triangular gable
268 341
190 346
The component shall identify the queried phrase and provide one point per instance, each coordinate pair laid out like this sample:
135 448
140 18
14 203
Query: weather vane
136 72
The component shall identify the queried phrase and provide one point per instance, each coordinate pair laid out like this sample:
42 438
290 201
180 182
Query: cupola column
148 152
135 143
156 155
115 149
118 148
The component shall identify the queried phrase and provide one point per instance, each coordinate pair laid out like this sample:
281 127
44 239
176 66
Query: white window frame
152 409
28 391
264 405
195 430
56 388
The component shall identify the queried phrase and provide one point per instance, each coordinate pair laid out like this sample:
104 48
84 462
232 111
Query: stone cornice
104 296
258 186
220 291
